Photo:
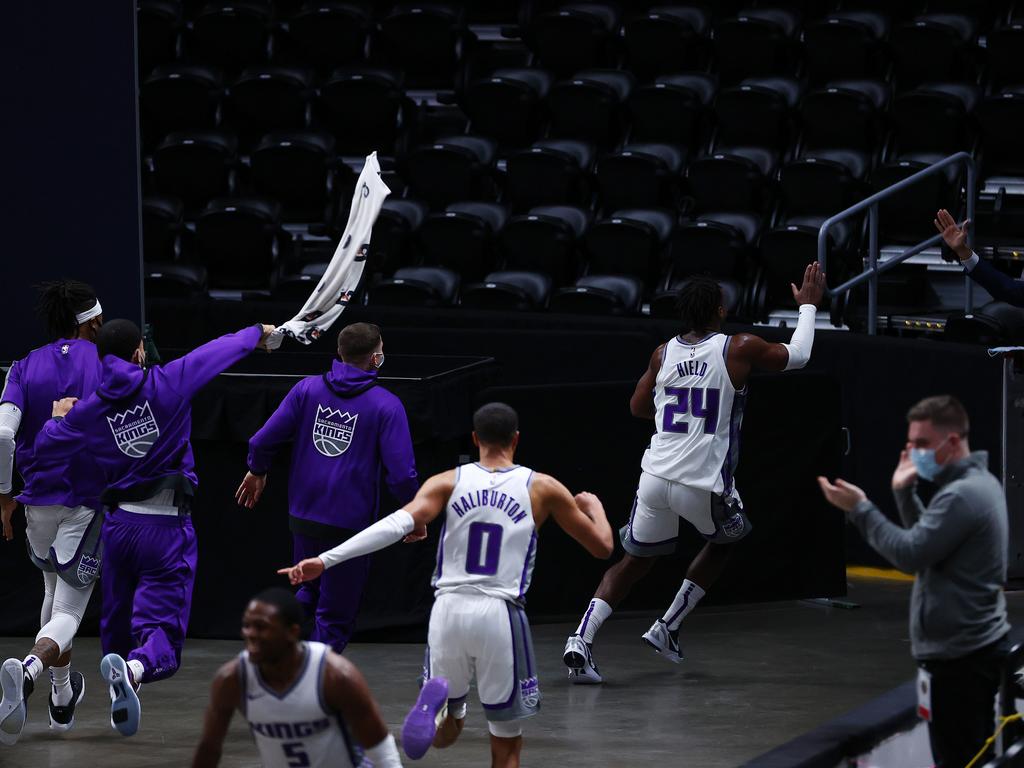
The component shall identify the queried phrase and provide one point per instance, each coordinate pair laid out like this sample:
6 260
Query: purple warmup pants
334 597
149 567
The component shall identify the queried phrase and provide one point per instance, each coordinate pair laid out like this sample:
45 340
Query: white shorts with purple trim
472 634
653 526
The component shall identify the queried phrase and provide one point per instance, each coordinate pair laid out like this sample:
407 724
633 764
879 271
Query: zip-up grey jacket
957 547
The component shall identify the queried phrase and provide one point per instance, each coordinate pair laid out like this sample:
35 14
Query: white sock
33 667
61 679
687 597
137 670
592 620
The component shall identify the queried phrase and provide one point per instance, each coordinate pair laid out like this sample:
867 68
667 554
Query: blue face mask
925 463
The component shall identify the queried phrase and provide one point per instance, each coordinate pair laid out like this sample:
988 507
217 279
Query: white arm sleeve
383 533
799 346
385 754
10 420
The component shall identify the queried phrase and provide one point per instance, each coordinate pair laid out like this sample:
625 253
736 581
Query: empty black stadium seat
271 98
823 182
391 244
417 287
845 44
672 109
600 295
845 114
758 41
329 34
665 39
551 172
546 240
383 111
297 288
630 242
667 304
574 36
1003 48
935 117
717 243
906 217
161 228
935 46
423 39
159 25
732 180
451 169
179 97
590 106
758 112
508 106
641 176
508 291
195 166
232 35
462 238
237 240
1001 116
296 168
167 280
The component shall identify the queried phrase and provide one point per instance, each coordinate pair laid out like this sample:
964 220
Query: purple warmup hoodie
63 368
343 430
134 430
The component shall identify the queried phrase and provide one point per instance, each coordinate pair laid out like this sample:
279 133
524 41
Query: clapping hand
844 495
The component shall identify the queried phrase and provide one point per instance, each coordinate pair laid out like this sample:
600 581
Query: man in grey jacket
957 547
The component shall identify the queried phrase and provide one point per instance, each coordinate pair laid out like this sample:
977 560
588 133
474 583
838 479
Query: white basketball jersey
699 414
295 728
489 541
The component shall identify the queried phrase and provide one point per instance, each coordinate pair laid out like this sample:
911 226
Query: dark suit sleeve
1002 287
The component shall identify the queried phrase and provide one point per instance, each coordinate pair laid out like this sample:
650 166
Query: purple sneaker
421 722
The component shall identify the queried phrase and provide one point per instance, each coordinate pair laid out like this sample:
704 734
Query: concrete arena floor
755 677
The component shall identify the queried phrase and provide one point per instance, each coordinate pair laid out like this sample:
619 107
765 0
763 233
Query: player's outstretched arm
582 516
754 352
641 404
346 692
408 523
225 694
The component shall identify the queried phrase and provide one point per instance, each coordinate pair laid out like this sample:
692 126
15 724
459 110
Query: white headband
89 314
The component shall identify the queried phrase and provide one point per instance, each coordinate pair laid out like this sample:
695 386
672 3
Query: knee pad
61 629
505 729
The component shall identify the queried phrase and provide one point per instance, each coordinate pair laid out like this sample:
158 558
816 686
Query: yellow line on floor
878 574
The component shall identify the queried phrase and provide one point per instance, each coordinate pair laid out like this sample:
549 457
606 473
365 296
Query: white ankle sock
687 597
137 670
61 679
592 620
33 667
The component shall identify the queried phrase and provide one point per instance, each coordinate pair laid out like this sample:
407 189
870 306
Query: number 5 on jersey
699 403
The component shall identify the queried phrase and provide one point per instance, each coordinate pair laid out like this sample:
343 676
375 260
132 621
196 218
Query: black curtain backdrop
70 159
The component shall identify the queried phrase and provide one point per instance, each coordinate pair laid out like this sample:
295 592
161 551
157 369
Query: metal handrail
870 275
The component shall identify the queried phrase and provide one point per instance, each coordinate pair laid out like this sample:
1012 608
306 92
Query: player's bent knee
510 729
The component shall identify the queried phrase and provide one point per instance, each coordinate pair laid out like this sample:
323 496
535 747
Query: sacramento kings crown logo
135 430
333 430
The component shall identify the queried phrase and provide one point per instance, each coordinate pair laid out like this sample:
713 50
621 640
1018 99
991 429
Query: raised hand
954 234
305 570
906 473
813 287
251 489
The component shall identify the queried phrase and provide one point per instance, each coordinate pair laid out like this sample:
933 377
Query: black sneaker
62 718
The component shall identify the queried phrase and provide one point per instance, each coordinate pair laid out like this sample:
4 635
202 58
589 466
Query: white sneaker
13 710
579 660
664 641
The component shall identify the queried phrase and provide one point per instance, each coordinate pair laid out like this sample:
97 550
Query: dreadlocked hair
699 301
60 301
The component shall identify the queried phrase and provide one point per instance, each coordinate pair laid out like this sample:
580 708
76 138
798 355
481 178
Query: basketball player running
492 510
61 524
305 704
135 430
694 389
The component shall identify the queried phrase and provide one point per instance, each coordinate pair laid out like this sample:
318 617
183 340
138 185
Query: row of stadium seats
436 45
